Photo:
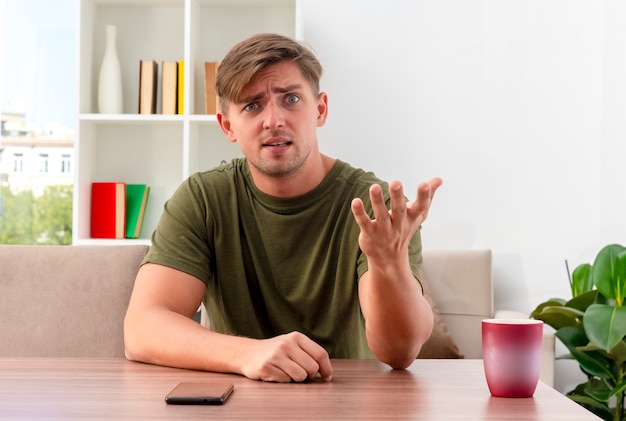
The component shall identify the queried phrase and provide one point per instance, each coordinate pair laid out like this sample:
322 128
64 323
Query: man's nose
273 116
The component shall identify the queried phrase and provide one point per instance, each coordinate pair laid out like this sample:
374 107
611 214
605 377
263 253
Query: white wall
520 106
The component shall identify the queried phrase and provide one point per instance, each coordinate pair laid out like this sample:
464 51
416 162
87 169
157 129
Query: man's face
276 120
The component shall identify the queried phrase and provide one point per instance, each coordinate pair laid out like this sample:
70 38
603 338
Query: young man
296 254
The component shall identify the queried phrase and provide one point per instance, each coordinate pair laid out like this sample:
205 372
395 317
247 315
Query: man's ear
225 125
322 109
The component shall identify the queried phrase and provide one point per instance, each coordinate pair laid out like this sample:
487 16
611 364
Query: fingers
287 370
434 183
402 215
398 201
398 208
426 190
425 193
320 356
295 357
358 210
381 213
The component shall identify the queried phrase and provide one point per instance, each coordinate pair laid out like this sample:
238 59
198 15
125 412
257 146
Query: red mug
512 356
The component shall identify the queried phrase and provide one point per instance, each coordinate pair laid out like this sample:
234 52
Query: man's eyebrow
280 90
288 88
251 98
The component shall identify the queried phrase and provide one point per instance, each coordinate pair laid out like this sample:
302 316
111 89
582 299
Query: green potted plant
592 325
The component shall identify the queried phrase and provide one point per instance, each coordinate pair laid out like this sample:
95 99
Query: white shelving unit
158 150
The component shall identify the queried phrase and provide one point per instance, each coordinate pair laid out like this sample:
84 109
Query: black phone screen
199 393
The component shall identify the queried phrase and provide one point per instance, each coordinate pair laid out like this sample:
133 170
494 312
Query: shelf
156 149
130 118
111 242
210 119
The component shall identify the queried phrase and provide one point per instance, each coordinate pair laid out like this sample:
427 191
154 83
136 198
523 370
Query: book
181 87
148 75
136 200
211 100
169 87
108 210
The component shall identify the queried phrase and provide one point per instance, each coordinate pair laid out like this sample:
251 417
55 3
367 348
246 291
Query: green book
136 200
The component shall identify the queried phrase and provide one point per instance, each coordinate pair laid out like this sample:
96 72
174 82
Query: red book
108 210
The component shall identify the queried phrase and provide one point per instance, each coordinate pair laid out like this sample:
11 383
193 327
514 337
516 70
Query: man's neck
303 181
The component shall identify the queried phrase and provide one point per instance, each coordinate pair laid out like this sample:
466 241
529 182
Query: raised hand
392 229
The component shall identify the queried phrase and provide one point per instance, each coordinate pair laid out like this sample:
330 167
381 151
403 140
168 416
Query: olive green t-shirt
273 265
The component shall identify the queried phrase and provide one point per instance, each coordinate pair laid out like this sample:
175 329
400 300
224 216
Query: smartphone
200 393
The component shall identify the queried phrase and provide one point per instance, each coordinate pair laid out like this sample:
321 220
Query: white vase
110 82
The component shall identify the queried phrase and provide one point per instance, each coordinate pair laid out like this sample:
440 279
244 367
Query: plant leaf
620 274
593 406
599 391
608 272
559 316
617 354
582 301
591 362
552 302
605 325
581 280
599 408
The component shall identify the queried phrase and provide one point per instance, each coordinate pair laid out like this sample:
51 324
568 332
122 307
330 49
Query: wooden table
66 389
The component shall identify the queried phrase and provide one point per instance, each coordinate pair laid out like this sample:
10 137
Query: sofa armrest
547 357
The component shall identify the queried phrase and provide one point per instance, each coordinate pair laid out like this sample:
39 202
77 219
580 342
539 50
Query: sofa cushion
461 284
66 301
440 344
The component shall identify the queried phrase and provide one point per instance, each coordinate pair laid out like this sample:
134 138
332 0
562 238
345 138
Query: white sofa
71 301
65 301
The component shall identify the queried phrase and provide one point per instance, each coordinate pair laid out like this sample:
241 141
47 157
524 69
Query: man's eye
251 107
292 99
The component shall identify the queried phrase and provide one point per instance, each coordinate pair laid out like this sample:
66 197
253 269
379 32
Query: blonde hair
256 53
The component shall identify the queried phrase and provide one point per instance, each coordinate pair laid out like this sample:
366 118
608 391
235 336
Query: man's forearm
398 318
284 358
166 338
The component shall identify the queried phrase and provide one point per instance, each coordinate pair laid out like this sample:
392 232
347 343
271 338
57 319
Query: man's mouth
275 144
